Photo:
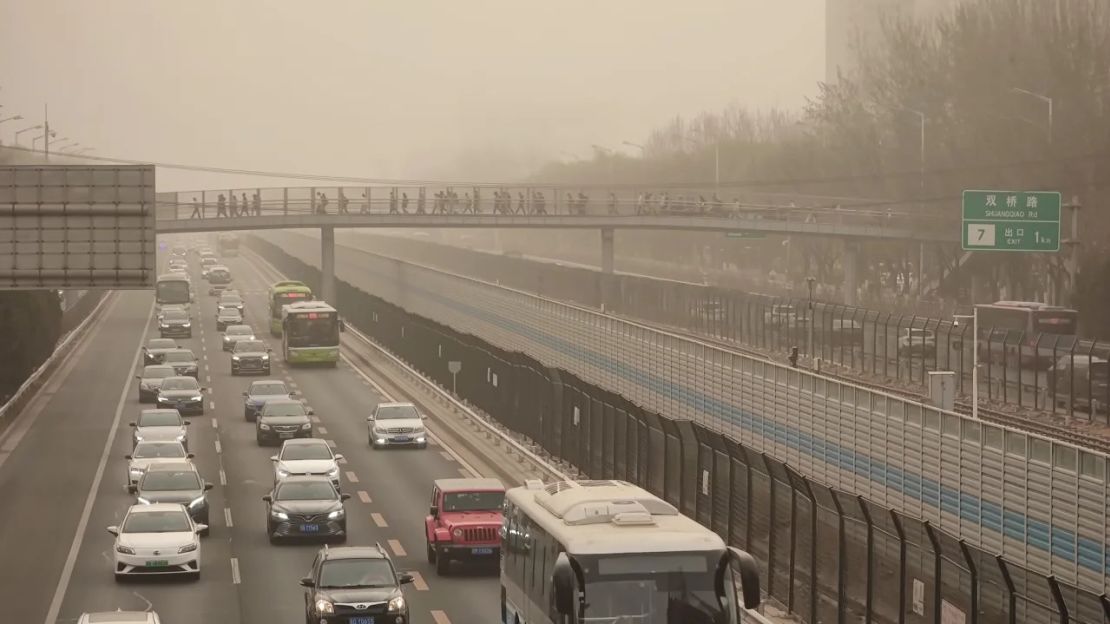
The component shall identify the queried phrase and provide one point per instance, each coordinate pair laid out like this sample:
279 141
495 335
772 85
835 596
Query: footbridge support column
606 250
605 281
851 273
327 264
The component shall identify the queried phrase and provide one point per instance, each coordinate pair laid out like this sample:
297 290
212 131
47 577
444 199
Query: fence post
901 565
1011 591
937 569
1058 597
869 590
812 549
771 524
841 556
974 571
1105 601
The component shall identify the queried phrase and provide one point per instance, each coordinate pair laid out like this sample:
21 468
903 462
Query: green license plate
157 563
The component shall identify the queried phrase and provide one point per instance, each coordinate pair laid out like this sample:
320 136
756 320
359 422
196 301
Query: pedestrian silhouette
221 206
197 214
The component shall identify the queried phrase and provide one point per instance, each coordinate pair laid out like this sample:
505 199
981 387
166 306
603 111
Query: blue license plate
310 528
481 551
362 620
402 439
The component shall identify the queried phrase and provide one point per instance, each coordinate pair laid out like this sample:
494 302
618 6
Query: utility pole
46 129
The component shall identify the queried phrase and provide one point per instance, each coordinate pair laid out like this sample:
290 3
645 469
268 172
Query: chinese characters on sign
1011 221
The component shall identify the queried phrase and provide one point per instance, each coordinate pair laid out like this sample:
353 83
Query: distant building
849 21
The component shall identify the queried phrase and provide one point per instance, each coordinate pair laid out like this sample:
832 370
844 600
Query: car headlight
235 358
127 550
457 533
186 324
187 548
418 430
163 399
196 397
142 500
135 470
138 437
334 472
306 426
265 357
196 502
264 426
164 326
282 473
397 604
280 515
338 513
323 605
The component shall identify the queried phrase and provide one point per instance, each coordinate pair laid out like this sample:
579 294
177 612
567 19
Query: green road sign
1011 221
748 235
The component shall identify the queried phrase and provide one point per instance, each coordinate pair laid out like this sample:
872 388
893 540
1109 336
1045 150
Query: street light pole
811 282
19 132
1043 98
974 316
636 145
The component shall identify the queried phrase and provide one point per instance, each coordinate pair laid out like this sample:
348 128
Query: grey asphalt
44 482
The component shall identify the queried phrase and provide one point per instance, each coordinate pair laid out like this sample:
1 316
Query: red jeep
465 522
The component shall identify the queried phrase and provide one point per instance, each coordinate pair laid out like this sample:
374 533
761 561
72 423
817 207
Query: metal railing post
973 571
897 521
1011 591
285 200
1058 597
869 589
937 569
841 557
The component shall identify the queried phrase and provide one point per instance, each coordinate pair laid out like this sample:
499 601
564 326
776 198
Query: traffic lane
397 482
45 480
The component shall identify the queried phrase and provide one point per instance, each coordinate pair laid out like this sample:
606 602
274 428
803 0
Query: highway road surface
62 471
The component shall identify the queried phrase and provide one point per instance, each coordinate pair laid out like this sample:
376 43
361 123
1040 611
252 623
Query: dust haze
480 90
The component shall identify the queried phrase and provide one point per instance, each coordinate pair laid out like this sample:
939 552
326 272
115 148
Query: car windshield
160 419
161 343
357 573
284 409
175 315
231 313
180 357
473 501
240 330
166 450
227 299
159 480
175 521
395 412
305 490
180 384
669 588
293 452
249 346
158 372
272 388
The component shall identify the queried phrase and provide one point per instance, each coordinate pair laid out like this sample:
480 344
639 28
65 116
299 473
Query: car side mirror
138 376
434 511
308 582
405 578
190 455
201 528
186 423
269 349
204 389
338 456
423 417
369 419
207 486
128 457
748 569
114 530
293 393
268 498
245 394
344 497
131 424
310 411
273 458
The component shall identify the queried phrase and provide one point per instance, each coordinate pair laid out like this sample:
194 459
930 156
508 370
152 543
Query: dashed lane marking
223 477
227 517
352 477
315 419
208 379
211 405
219 449
214 423
235 578
397 548
323 430
418 582
363 496
379 520
440 617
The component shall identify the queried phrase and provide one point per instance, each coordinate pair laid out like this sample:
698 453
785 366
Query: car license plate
362 620
481 551
402 439
285 435
157 563
310 528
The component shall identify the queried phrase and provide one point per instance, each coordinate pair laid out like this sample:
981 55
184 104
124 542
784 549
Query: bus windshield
172 291
303 331
281 299
660 588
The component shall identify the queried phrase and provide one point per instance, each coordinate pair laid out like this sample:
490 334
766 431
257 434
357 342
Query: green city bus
310 333
282 293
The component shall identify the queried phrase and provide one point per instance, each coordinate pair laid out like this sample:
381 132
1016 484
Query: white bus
577 552
173 289
1029 330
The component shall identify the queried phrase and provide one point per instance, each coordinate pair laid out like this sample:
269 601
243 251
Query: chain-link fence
827 555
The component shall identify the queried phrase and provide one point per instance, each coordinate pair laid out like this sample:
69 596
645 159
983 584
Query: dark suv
355 585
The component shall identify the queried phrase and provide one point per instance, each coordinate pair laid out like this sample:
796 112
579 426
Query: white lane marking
418 582
323 430
440 617
211 405
219 449
352 477
83 523
431 436
363 496
235 578
223 477
208 379
447 456
315 419
214 423
205 357
379 520
227 517
397 548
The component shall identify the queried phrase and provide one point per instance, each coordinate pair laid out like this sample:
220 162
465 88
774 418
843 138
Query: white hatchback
155 540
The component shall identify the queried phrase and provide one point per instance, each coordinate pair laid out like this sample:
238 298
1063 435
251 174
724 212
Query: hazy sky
391 88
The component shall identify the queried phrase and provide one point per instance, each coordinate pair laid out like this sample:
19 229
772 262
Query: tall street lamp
974 318
12 118
1043 98
636 145
19 132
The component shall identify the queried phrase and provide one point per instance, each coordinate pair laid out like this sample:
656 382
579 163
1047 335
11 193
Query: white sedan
155 540
148 453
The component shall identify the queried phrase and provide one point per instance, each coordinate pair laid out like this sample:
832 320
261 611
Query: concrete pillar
851 273
327 264
606 250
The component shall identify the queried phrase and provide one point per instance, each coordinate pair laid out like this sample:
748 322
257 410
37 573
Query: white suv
396 424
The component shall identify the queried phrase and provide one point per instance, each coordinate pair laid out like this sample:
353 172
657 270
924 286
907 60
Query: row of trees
1013 94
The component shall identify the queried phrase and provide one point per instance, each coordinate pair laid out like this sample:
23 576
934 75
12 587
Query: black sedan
156 349
282 419
183 393
183 361
250 356
305 507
